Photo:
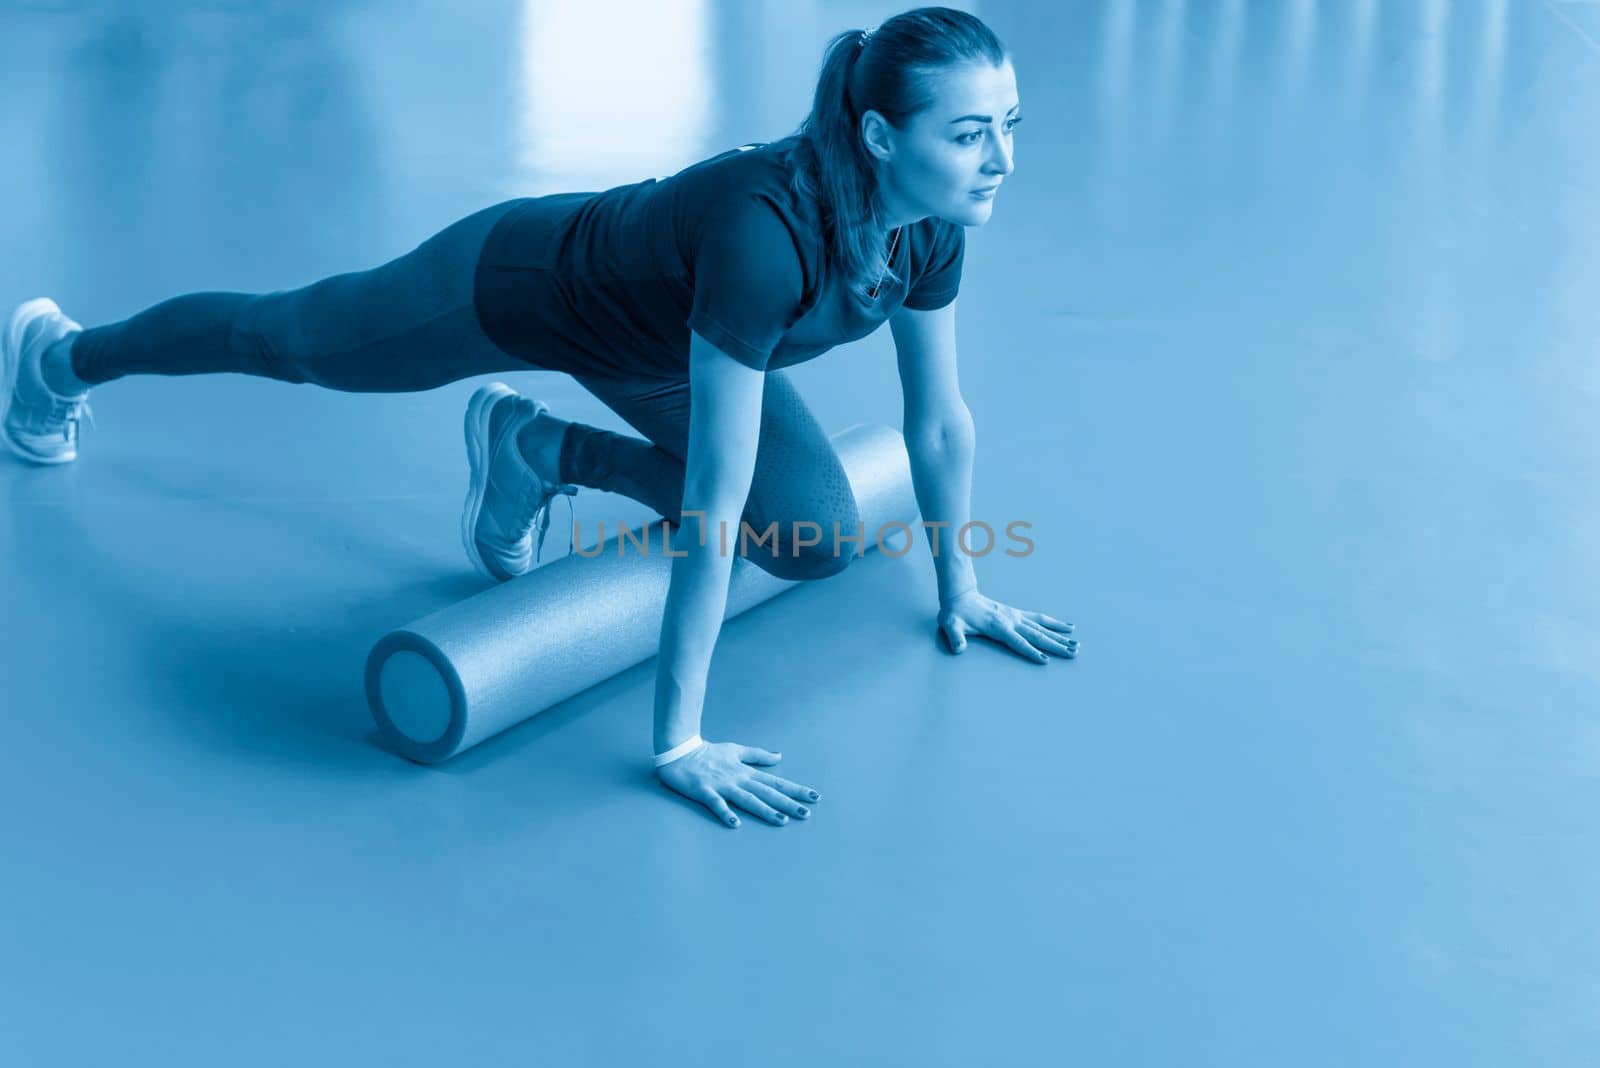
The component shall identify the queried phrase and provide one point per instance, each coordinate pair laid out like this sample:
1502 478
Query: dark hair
891 71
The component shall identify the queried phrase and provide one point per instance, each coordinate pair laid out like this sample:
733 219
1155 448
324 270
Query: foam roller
475 668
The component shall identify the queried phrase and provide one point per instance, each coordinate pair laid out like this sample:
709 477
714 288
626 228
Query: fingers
776 800
1048 640
1048 622
782 785
1028 639
764 757
1009 637
719 808
755 806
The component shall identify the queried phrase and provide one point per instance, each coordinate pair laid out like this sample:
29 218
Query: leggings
410 325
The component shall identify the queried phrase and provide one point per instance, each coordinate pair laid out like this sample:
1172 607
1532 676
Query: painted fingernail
733 821
815 796
802 811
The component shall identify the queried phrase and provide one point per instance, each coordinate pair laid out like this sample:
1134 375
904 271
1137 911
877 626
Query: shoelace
70 410
541 516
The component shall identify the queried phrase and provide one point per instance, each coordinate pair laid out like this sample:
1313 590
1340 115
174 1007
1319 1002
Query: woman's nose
1000 162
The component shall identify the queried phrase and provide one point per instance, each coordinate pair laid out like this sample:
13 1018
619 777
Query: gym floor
1283 339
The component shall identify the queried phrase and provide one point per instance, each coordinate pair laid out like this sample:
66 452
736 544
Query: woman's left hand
1031 635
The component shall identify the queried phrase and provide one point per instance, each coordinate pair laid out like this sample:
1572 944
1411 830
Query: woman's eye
972 136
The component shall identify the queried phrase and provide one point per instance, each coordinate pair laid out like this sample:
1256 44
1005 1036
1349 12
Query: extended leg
408 325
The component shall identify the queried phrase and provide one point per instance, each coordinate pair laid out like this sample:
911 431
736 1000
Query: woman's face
951 158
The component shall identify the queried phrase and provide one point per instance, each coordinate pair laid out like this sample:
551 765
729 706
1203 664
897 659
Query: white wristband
682 749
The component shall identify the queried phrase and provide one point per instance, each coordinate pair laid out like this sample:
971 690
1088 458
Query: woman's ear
875 136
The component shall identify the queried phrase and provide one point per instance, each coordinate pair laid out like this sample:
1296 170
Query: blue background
1282 336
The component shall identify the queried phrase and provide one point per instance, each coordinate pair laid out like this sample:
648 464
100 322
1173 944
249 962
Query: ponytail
836 169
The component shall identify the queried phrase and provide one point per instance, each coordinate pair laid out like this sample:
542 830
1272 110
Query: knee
809 564
804 519
261 333
805 550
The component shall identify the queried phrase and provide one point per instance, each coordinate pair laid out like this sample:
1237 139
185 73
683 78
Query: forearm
697 599
941 473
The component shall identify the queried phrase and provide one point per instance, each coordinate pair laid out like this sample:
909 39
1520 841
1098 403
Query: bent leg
405 326
798 477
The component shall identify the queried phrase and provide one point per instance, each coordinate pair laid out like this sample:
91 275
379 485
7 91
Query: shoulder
744 199
756 165
757 173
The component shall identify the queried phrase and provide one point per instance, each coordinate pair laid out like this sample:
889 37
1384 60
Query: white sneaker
39 424
508 504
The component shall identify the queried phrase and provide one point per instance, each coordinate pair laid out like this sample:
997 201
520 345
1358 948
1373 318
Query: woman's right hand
720 772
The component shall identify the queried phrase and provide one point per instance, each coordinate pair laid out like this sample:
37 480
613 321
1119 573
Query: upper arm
724 427
925 349
939 280
748 280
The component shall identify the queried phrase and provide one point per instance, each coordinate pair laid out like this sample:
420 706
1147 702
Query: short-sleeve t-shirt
612 282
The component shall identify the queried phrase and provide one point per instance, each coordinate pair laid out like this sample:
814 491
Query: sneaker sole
11 359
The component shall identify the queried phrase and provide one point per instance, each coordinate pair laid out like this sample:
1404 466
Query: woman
703 285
